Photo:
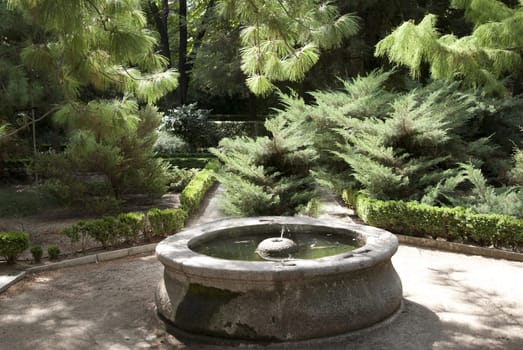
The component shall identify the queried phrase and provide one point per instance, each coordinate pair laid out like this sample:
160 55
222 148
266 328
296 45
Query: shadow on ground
451 302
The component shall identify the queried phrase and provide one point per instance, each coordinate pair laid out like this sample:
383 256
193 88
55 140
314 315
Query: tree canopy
483 58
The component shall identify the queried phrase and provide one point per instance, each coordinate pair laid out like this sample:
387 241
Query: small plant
76 233
166 221
53 252
132 226
37 252
179 178
12 244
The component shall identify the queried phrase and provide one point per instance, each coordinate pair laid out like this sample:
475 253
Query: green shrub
107 231
132 225
452 224
37 253
166 221
106 204
53 252
268 175
196 189
104 230
76 233
12 244
179 177
168 144
99 164
190 123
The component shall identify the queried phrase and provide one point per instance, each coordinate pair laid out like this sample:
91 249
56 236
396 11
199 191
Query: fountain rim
175 253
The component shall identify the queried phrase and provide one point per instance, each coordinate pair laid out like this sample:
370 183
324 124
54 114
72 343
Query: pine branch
102 18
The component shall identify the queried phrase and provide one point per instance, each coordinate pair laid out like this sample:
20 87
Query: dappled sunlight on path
451 301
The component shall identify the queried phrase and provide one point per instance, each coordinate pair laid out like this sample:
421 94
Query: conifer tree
483 58
24 94
395 145
282 40
268 175
101 56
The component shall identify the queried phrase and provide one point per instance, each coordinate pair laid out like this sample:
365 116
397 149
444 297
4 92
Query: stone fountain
283 296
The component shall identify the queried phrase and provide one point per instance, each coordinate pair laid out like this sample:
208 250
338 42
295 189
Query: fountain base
277 301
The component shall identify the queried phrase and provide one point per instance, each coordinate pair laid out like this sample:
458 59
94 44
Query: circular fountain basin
280 300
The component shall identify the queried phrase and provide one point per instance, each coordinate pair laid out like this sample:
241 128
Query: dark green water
310 245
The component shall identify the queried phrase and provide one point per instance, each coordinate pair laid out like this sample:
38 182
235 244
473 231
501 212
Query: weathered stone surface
276 247
277 301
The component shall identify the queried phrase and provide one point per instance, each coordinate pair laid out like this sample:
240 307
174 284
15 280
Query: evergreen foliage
479 196
99 44
25 93
12 244
121 159
416 145
268 175
282 40
102 58
192 195
399 145
491 52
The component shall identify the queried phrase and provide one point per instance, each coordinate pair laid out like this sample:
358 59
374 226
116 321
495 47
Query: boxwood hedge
130 227
453 224
13 244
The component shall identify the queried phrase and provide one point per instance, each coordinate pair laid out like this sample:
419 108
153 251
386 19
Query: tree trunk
183 80
161 19
186 60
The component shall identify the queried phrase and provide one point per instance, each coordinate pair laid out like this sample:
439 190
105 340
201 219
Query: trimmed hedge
452 224
108 230
131 227
53 252
13 244
193 193
166 221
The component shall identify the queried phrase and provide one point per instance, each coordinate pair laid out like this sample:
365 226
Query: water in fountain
297 245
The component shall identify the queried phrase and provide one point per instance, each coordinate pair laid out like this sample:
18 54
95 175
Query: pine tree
102 57
282 40
490 53
24 94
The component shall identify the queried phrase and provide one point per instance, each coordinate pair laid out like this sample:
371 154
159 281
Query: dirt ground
44 228
451 302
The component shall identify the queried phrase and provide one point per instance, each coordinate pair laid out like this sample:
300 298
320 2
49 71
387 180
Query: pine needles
490 53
